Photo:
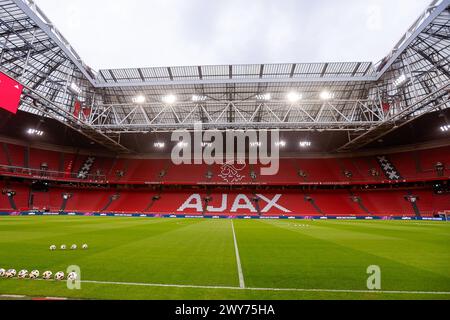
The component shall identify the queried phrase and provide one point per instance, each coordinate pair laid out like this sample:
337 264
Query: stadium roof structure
366 100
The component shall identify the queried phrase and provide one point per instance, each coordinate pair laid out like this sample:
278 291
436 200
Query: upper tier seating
51 158
16 155
412 166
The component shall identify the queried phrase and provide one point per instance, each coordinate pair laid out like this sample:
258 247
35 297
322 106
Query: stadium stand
141 177
410 166
386 202
51 158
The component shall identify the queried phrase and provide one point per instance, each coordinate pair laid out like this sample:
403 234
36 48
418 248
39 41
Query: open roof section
294 72
20 10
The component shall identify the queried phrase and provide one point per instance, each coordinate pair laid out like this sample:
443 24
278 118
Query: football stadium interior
85 157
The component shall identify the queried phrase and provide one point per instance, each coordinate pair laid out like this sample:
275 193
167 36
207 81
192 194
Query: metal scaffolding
351 115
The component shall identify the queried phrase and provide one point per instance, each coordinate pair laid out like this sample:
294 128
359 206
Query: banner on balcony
10 93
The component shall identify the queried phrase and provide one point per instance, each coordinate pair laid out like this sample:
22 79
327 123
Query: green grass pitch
143 258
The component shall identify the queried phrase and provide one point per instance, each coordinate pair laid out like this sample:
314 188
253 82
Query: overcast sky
146 33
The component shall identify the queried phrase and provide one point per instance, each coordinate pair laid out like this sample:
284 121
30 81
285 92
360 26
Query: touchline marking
238 259
137 284
263 289
13 296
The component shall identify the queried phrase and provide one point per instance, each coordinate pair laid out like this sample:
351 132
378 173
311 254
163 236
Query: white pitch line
264 289
13 296
238 259
160 285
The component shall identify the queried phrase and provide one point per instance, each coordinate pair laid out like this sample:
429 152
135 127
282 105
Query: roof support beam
436 65
433 101
239 114
430 14
39 18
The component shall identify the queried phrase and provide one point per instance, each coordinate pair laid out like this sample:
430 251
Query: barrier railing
43 174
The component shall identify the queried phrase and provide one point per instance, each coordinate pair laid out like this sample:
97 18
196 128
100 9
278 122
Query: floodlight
326 95
266 96
305 144
159 145
139 99
294 96
75 88
34 132
197 98
400 80
169 99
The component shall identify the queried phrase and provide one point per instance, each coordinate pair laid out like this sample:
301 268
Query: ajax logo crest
231 172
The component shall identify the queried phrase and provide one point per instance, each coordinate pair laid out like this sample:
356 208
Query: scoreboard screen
10 93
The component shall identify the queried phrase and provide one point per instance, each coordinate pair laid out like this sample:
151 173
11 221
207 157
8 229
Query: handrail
22 172
47 174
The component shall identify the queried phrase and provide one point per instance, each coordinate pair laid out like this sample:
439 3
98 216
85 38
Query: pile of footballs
47 275
64 247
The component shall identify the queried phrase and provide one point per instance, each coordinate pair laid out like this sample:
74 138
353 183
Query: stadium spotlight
169 99
159 145
266 96
305 144
280 143
34 132
139 99
197 98
400 80
255 144
445 128
294 97
75 88
326 95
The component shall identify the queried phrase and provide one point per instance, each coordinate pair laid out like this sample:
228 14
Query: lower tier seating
395 202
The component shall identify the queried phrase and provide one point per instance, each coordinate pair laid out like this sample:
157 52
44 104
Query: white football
52 248
2 272
34 274
85 246
47 275
73 247
72 276
63 247
11 273
59 276
23 274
